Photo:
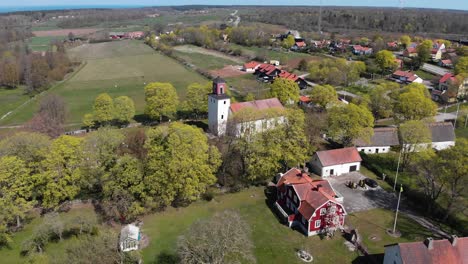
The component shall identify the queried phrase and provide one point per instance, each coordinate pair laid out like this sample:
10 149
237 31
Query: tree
286 91
288 42
424 50
180 164
453 164
88 120
405 41
71 36
249 97
303 65
50 117
29 147
161 100
224 238
124 109
381 104
197 98
62 173
414 103
123 189
462 65
16 185
323 95
350 122
103 108
386 60
414 136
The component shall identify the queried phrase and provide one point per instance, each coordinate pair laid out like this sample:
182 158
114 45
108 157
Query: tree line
407 20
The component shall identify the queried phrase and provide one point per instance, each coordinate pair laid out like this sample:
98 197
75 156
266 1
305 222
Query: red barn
312 205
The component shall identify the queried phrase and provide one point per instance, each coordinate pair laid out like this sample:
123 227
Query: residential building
446 63
443 93
444 251
406 77
360 50
251 66
336 161
442 135
129 238
268 73
311 205
221 112
410 52
381 142
437 50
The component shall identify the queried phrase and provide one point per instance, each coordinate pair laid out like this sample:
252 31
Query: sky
445 4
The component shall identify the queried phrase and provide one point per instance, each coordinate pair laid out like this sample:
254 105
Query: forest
375 19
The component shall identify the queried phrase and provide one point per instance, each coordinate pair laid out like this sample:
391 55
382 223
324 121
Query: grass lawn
54 250
11 99
282 56
248 84
274 242
204 61
42 43
425 75
117 68
462 132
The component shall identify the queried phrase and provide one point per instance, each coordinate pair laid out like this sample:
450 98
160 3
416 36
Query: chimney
453 239
429 243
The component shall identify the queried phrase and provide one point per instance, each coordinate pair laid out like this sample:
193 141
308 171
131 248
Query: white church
221 112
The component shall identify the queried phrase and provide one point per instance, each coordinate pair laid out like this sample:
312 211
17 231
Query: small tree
386 61
103 108
124 109
303 65
323 95
161 100
288 42
224 238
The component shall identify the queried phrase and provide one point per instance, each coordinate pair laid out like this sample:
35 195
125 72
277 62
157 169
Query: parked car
371 183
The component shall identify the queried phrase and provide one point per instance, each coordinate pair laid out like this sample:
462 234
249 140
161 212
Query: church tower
218 107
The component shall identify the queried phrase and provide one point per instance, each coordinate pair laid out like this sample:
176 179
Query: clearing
118 68
65 32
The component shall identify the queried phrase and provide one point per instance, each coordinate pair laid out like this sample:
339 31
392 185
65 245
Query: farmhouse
262 114
251 66
442 134
383 139
129 238
360 50
406 77
336 161
453 251
443 93
300 44
312 205
268 73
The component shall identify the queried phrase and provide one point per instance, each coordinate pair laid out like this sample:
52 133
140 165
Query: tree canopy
323 95
124 109
414 103
103 108
161 100
286 91
386 60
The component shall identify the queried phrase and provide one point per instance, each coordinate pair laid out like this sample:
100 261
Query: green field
11 99
204 61
282 56
42 43
117 68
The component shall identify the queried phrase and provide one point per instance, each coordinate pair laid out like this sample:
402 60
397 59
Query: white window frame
317 223
323 211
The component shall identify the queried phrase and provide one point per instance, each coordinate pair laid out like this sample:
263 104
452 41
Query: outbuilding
383 139
129 238
336 161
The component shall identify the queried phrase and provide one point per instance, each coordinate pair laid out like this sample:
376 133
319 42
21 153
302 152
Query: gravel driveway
361 199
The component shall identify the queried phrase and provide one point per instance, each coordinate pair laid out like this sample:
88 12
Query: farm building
312 205
360 50
442 137
383 139
251 66
453 250
406 77
336 161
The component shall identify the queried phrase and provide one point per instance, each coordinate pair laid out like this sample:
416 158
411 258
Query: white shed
129 238
336 161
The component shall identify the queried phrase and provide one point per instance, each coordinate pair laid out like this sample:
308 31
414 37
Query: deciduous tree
386 60
286 91
350 122
161 100
424 50
414 103
323 95
124 109
462 66
224 238
414 136
180 164
405 41
197 98
103 108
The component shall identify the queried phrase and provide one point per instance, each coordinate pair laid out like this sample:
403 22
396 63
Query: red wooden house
312 205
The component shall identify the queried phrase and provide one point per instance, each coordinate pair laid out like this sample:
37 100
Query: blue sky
447 4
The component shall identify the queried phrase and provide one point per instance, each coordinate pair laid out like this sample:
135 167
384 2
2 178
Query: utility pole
456 117
466 119
320 19
398 168
398 206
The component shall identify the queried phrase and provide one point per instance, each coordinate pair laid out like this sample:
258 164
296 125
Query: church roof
218 80
257 105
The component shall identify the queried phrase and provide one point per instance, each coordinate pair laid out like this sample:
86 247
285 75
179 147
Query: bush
208 195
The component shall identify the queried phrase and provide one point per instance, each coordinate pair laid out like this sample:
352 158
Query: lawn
247 83
42 43
282 56
274 242
205 61
11 99
117 68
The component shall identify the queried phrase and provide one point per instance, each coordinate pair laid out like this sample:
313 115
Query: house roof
361 48
130 231
304 99
446 77
257 105
443 251
383 136
442 131
410 76
411 50
251 64
312 193
301 44
446 62
338 156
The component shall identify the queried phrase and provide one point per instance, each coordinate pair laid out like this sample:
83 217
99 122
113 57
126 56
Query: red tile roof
446 77
447 62
407 74
338 156
305 99
251 64
301 44
411 50
360 48
312 193
442 252
257 105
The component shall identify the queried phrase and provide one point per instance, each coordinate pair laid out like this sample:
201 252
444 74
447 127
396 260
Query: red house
312 205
